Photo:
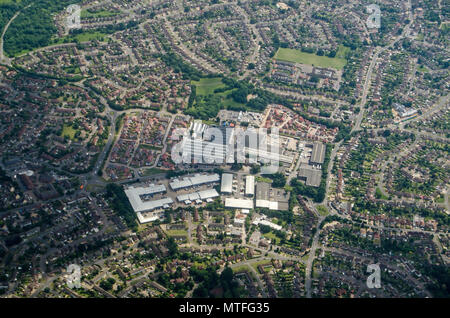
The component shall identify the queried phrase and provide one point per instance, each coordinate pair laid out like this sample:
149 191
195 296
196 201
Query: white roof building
227 183
208 194
201 195
267 223
138 205
147 217
239 203
196 180
188 197
149 190
250 186
271 205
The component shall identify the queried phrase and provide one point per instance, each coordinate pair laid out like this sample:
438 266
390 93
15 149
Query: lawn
98 14
82 37
229 102
441 199
272 237
263 263
206 86
208 103
323 211
342 52
422 69
380 195
68 131
152 171
177 233
263 179
296 56
240 269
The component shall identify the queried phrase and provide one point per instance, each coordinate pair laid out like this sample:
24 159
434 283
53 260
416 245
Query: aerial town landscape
224 149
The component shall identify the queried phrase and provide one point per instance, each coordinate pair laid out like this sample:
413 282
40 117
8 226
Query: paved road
367 81
312 255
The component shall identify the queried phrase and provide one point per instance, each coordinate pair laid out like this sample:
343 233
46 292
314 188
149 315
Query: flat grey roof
262 191
196 180
208 194
318 153
313 176
238 203
201 195
250 185
138 205
227 183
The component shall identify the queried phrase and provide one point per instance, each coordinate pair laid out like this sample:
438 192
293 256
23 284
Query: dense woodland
34 27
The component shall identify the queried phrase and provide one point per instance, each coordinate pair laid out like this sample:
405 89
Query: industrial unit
227 183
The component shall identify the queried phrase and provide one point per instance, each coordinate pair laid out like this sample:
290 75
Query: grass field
296 56
68 131
342 52
263 179
98 14
240 269
82 37
206 86
323 211
152 171
177 233
422 69
271 236
263 263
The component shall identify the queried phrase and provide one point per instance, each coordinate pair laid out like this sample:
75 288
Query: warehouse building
136 195
198 197
197 180
272 199
250 186
239 203
311 176
318 153
227 183
146 209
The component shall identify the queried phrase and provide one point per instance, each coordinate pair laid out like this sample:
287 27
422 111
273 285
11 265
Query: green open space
208 101
206 86
152 171
296 56
240 269
81 37
272 237
263 263
68 131
87 13
322 210
342 52
177 233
